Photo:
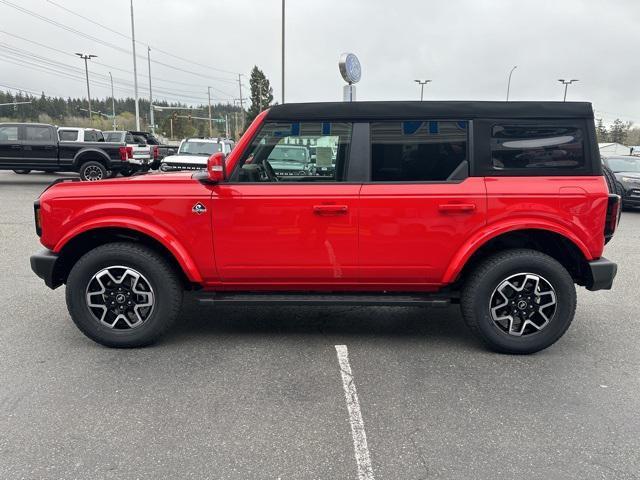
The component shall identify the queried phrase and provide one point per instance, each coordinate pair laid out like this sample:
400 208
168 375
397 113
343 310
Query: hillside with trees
74 112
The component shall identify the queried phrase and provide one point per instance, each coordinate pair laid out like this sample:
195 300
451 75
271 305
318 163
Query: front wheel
520 301
22 172
123 295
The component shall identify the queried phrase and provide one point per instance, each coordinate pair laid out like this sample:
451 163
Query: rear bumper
603 272
43 265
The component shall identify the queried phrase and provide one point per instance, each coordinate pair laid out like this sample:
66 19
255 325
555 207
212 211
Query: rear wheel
92 171
22 172
123 295
520 301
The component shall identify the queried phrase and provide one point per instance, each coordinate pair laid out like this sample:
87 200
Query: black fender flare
91 154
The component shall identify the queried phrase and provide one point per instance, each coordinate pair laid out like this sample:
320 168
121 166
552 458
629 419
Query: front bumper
602 272
43 265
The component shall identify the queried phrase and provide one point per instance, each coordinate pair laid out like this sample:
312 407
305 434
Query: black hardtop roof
427 110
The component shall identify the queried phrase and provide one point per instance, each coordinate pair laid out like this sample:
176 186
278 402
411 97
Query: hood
187 159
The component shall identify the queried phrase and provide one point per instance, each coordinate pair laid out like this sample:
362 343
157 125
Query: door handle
457 208
330 209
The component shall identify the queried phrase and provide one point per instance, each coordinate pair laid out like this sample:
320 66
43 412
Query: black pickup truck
34 146
163 150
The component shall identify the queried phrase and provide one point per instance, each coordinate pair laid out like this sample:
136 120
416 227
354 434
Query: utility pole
509 82
113 102
282 53
135 68
210 125
153 122
241 104
422 83
566 84
86 57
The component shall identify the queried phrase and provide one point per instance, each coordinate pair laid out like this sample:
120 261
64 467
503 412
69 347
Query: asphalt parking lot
257 393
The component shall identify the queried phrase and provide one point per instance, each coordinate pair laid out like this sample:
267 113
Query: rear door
40 146
420 204
10 146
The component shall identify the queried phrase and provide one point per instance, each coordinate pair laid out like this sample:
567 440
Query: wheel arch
91 155
79 242
562 246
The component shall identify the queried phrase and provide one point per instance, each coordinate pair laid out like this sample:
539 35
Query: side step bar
286 298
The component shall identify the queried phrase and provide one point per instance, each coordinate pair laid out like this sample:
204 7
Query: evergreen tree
619 131
601 132
261 94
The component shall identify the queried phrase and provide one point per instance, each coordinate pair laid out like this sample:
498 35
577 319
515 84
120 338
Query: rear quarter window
537 148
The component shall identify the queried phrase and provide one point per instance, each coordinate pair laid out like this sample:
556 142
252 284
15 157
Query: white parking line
363 460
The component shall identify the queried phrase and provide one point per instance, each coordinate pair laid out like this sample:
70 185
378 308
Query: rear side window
540 147
68 135
90 136
417 151
117 137
38 134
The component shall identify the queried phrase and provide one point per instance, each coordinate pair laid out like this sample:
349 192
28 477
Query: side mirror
216 169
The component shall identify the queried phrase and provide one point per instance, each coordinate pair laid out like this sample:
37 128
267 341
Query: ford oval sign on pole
351 71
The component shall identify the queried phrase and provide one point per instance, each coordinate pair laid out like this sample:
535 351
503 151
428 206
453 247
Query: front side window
193 147
296 152
38 134
417 150
522 147
9 133
68 135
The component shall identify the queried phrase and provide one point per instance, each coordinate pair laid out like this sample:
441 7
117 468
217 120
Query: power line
147 45
110 67
104 43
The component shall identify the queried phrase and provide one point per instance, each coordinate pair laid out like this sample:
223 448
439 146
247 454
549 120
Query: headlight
631 180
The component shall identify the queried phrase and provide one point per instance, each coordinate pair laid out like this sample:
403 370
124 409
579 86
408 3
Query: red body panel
409 232
156 205
324 236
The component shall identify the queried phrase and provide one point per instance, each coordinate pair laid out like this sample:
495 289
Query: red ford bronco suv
500 207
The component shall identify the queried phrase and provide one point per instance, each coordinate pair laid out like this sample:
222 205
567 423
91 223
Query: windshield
282 153
114 136
199 148
624 164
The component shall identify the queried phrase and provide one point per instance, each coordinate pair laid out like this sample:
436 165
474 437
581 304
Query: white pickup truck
143 154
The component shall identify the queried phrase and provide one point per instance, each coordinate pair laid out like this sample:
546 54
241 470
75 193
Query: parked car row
94 154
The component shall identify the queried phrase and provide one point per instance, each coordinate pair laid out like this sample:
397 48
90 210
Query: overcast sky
466 47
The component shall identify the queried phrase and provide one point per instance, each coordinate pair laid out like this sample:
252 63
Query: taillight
38 217
613 216
155 152
123 153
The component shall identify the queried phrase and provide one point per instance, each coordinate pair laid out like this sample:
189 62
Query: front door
420 205
10 147
287 218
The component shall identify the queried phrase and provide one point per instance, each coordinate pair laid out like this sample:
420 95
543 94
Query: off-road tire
481 283
162 277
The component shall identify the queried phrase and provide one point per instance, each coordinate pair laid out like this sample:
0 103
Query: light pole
113 102
566 84
241 104
282 52
422 83
509 82
135 69
153 122
86 57
210 125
